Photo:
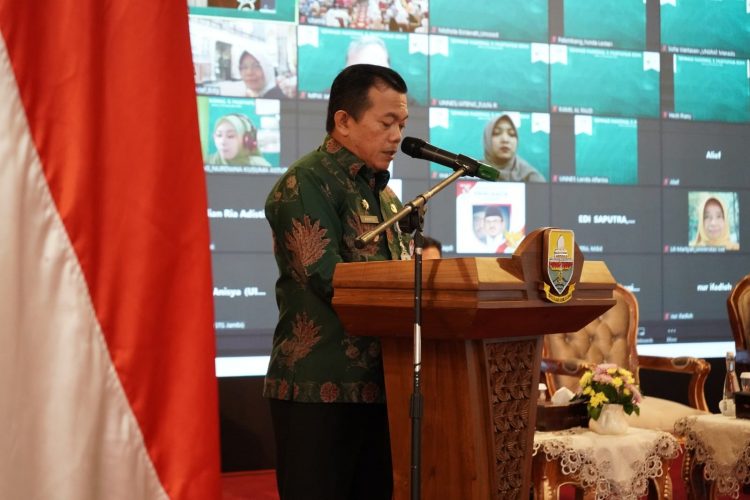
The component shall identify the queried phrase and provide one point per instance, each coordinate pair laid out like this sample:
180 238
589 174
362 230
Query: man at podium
326 388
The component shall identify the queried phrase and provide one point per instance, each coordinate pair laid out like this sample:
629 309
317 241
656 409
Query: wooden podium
482 322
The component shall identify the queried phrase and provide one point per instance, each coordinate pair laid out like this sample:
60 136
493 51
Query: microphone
417 148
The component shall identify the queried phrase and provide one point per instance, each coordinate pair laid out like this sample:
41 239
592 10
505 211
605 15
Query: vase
611 420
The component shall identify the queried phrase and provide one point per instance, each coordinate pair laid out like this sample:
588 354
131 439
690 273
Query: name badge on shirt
369 219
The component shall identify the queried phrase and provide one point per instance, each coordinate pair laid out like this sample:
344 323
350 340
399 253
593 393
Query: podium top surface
469 297
470 273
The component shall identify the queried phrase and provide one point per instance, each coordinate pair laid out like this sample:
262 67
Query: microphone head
412 146
487 172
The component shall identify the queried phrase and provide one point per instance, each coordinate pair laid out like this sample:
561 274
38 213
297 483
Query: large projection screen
636 114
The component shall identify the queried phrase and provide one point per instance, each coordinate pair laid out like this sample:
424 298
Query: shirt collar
353 166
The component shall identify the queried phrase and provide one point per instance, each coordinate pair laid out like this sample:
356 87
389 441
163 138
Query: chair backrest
610 338
738 305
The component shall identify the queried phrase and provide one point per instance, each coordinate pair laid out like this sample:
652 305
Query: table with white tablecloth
718 448
603 466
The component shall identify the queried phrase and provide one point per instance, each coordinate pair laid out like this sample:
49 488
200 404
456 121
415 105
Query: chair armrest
697 368
567 367
742 360
570 367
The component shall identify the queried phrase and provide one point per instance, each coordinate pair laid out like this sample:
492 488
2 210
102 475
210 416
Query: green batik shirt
316 210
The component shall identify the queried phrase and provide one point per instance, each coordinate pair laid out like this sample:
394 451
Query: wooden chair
738 306
738 309
611 338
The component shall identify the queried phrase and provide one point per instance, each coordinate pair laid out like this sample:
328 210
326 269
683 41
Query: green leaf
594 412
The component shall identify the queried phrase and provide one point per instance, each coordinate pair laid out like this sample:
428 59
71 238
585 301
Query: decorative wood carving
510 369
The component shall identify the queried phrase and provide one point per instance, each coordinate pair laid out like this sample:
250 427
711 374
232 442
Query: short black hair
494 211
428 242
350 88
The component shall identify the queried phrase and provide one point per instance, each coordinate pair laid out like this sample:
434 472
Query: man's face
375 137
493 225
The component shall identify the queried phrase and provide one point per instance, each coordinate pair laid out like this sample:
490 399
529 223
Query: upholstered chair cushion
612 338
660 414
738 307
603 340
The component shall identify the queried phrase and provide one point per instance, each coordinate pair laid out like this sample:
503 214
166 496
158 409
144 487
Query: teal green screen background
727 79
611 151
511 19
713 24
622 22
607 81
490 71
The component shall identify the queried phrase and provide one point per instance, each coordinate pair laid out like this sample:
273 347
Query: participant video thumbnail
255 9
714 219
244 302
244 58
619 24
236 212
701 221
490 217
515 143
604 81
704 154
324 52
240 136
609 219
708 88
488 74
606 149
407 16
506 19
706 27
696 286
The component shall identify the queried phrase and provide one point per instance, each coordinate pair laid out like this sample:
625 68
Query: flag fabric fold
107 384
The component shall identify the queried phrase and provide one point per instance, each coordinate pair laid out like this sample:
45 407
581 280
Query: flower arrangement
608 383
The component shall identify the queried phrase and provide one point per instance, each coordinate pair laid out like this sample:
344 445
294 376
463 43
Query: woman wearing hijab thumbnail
258 75
258 79
236 141
500 145
713 225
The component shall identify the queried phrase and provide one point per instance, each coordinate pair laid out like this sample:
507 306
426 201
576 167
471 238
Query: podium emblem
559 260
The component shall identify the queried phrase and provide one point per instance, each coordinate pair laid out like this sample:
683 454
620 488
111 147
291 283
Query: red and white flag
107 385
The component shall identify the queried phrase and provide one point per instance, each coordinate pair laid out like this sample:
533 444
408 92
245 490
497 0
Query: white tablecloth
616 466
722 445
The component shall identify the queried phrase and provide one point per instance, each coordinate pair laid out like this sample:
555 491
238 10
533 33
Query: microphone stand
413 220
